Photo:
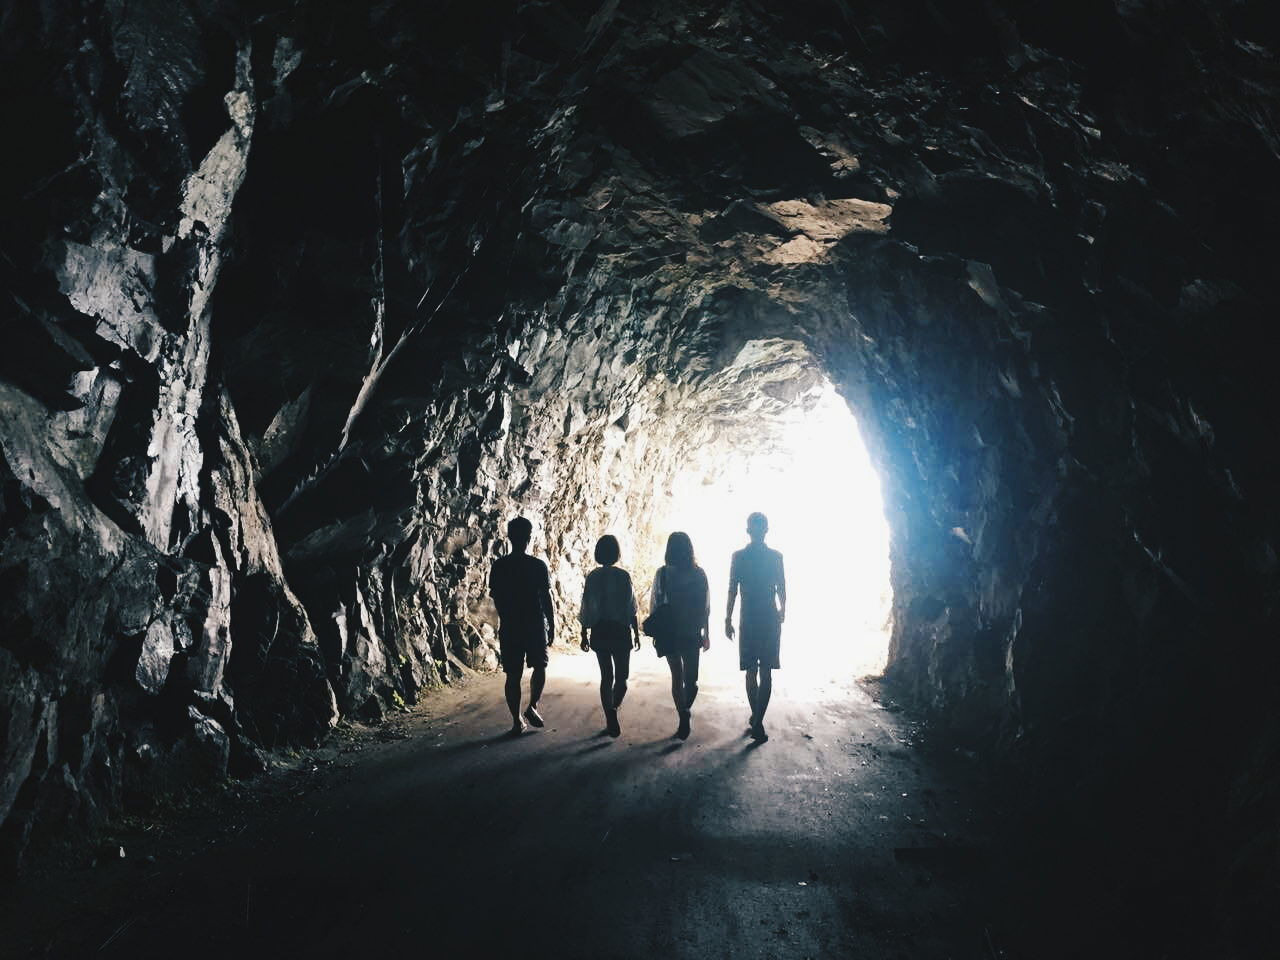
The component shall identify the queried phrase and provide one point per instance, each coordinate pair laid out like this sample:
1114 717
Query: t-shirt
685 589
521 589
757 571
607 595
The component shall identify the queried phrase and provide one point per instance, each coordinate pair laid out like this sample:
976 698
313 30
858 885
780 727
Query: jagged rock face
136 544
304 306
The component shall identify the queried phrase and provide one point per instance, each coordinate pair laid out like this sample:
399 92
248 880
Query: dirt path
458 842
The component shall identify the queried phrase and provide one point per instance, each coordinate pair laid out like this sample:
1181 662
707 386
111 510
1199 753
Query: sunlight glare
822 498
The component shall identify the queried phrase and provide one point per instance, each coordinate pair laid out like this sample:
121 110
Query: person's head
757 527
679 551
607 550
519 531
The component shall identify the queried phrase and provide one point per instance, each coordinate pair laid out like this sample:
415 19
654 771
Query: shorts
759 642
610 636
519 649
683 642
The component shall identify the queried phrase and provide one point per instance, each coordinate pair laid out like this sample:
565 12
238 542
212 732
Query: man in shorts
756 571
521 590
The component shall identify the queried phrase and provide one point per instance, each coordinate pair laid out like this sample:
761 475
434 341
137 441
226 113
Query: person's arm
495 589
782 592
733 596
586 611
635 621
548 611
706 611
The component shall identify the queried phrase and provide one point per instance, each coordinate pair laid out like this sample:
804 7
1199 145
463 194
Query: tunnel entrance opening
805 466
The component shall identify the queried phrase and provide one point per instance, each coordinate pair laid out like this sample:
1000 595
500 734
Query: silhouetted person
682 584
609 613
756 570
521 590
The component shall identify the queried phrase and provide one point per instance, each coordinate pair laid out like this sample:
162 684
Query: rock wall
306 301
135 543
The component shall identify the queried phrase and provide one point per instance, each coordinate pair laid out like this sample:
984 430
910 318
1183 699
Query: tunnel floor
436 835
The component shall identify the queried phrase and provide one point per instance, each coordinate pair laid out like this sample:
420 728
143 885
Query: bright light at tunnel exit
822 497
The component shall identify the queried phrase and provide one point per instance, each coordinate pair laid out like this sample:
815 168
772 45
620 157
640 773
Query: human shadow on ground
475 744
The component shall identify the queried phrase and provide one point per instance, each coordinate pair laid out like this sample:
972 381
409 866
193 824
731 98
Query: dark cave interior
304 300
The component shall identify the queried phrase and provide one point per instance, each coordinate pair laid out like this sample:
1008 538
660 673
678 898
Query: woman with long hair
609 627
681 586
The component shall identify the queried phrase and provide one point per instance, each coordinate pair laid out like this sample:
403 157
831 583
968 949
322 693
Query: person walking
521 589
756 571
680 591
609 626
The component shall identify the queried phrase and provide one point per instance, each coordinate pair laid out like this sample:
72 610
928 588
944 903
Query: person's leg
537 658
621 672
759 689
605 659
749 661
677 681
537 681
769 640
764 692
753 690
691 661
688 667
607 698
513 699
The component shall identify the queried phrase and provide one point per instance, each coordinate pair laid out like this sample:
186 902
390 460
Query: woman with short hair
681 586
609 627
